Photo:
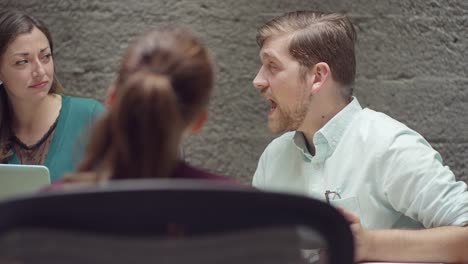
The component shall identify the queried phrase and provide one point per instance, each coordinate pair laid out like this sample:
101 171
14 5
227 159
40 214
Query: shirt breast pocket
349 203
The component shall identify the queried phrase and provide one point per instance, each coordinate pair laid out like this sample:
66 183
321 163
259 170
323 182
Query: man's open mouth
273 106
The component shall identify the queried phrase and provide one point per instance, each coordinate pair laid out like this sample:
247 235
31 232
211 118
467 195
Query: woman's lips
39 85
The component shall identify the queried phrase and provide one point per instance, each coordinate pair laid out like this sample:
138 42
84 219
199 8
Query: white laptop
22 179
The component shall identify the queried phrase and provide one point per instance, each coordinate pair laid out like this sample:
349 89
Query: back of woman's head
165 80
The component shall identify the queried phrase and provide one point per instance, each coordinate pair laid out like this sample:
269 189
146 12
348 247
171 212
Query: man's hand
361 236
442 244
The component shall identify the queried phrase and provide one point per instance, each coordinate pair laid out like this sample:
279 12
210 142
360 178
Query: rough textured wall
412 64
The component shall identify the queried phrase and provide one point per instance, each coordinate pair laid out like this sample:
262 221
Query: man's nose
260 82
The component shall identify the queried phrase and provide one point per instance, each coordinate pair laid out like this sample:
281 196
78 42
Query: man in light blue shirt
357 159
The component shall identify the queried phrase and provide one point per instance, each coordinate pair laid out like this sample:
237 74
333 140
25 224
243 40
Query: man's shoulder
380 122
377 132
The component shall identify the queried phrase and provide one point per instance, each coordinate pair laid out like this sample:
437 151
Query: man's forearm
442 244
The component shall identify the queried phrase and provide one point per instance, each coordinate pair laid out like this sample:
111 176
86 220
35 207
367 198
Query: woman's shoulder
186 171
82 106
73 181
82 102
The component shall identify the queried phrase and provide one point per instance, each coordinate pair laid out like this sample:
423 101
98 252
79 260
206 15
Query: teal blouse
67 147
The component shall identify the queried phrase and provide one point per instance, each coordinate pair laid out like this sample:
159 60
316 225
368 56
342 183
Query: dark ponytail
164 82
144 128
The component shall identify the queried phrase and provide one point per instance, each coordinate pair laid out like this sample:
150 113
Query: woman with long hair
39 125
160 96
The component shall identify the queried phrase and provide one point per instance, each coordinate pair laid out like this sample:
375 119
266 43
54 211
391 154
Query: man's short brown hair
318 37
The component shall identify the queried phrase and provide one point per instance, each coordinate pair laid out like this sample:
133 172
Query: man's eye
272 66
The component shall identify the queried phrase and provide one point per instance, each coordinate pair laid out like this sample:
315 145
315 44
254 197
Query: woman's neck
31 120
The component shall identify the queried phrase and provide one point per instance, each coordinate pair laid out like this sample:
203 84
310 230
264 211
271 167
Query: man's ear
110 96
319 74
199 121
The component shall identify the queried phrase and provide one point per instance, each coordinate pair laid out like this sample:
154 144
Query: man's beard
288 120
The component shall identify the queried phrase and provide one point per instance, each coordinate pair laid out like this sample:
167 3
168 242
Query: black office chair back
196 213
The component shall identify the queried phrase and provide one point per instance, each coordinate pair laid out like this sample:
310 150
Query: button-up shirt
373 165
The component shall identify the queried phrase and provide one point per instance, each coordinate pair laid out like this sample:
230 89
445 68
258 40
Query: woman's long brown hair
12 24
165 79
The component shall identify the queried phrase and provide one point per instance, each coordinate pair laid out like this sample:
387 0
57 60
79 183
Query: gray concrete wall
412 64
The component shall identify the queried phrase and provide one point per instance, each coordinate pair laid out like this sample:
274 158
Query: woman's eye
47 57
21 62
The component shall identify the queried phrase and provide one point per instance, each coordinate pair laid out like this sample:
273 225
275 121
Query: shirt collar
327 138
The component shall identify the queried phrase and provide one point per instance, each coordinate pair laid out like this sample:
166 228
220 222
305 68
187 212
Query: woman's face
27 67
